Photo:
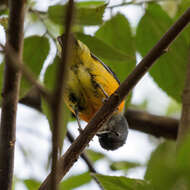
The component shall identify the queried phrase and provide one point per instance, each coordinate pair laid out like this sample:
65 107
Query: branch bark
158 126
72 154
57 101
184 127
10 94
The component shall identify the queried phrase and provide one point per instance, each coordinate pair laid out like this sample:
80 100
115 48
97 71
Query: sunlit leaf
87 13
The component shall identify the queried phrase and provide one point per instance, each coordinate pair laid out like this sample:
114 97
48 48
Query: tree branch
158 126
57 101
184 127
72 154
10 94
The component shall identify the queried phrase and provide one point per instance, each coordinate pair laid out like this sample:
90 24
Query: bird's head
77 46
114 133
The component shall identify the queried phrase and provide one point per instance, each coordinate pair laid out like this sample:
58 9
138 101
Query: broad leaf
51 73
182 7
183 156
36 50
87 13
32 184
123 165
101 49
161 169
75 181
94 156
122 183
116 33
49 82
169 71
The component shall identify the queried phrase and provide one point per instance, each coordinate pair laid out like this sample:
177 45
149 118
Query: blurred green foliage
87 13
169 71
116 42
121 183
123 165
35 52
94 155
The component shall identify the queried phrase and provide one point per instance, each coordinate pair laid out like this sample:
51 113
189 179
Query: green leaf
123 165
116 33
87 13
51 73
75 181
4 12
49 82
36 50
183 156
122 183
101 49
161 169
94 156
169 71
1 80
183 6
32 184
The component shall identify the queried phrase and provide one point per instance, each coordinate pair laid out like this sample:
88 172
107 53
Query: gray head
114 133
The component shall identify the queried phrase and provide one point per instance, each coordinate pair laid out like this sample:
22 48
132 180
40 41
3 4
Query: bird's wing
106 67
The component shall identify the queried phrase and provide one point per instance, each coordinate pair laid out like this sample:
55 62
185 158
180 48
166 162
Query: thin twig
2 48
57 104
72 154
87 161
40 15
184 127
83 155
10 93
158 126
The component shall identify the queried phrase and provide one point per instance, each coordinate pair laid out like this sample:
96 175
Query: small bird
90 82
